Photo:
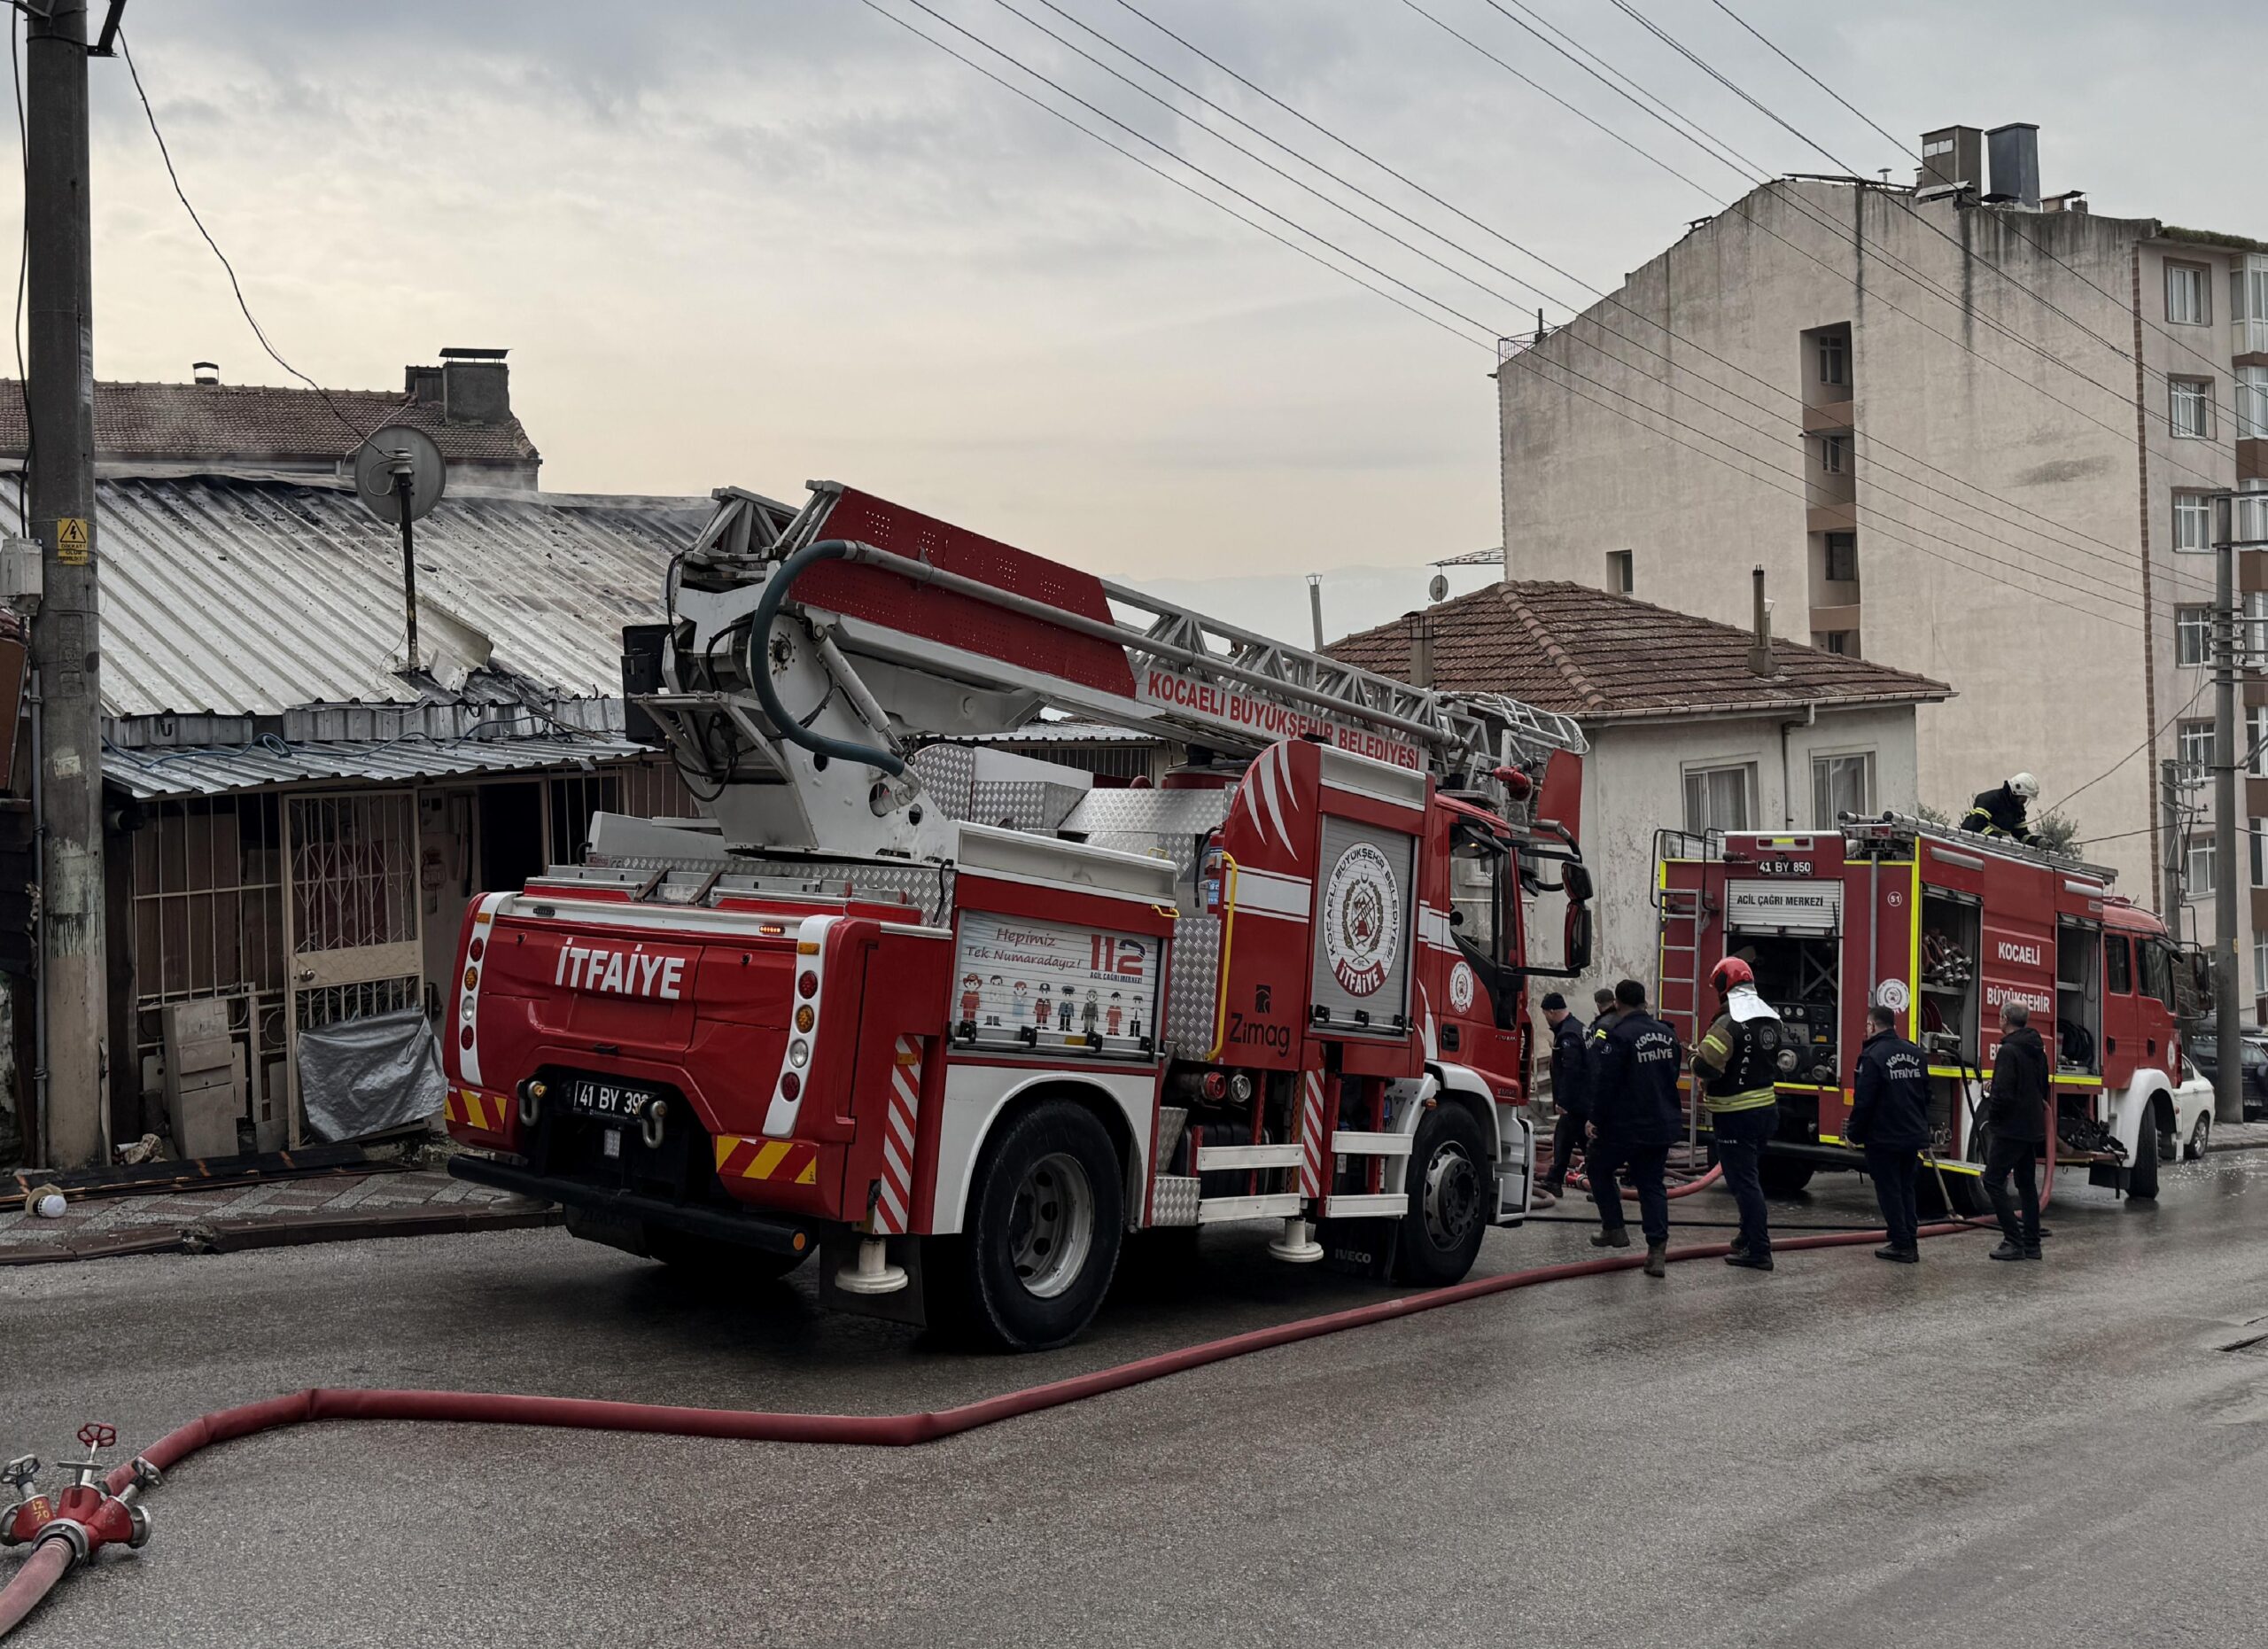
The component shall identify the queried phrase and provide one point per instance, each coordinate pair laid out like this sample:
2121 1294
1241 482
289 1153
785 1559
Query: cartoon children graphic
1020 1006
992 988
1090 1015
1117 1013
1063 1010
1045 1008
971 998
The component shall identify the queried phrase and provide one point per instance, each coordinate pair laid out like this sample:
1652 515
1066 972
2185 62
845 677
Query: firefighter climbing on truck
2001 811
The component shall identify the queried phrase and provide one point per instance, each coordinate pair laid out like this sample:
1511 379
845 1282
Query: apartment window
2260 964
1621 574
2193 631
2192 521
1839 785
1835 361
2191 406
1843 643
2256 740
2186 302
2252 631
1835 454
1716 799
2194 745
2197 868
2248 519
2256 838
2251 403
1842 557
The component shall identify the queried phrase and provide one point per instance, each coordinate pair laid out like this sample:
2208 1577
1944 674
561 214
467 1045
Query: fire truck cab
1942 926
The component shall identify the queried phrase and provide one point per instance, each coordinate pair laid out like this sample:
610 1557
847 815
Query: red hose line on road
49 1561
1576 1177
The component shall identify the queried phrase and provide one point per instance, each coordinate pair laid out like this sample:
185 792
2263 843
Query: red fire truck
853 1011
1943 927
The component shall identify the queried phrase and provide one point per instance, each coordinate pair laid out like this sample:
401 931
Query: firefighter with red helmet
1735 1065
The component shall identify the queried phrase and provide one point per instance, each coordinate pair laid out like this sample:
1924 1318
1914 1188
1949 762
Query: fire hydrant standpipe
51 1560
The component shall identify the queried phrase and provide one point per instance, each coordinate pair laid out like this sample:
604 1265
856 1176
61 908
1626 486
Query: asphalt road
1845 1453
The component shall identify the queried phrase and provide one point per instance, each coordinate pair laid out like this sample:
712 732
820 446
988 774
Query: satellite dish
388 454
1439 588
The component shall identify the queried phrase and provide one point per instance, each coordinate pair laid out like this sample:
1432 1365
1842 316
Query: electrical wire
1527 361
2010 221
2120 558
2148 741
1753 174
361 435
1968 552
1484 338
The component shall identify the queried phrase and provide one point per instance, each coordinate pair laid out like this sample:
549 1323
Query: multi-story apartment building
1968 433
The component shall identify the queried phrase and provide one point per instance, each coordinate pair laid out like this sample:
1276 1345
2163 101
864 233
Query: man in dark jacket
2016 1113
2000 810
1568 1075
1889 1118
1635 1119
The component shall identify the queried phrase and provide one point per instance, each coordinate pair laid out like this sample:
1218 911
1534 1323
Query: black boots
1749 1262
1657 1259
1612 1237
2009 1250
1894 1251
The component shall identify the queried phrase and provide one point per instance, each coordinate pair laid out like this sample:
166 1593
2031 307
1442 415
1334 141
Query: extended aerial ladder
809 651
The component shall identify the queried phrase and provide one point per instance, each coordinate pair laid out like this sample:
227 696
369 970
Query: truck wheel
1045 1219
1785 1176
2142 1176
1451 1198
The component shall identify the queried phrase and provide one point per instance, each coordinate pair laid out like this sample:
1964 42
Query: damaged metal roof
213 769
248 597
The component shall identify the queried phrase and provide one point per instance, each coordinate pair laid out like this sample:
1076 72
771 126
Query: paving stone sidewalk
95 1220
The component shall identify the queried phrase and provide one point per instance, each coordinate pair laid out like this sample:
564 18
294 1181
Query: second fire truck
960 1034
1943 927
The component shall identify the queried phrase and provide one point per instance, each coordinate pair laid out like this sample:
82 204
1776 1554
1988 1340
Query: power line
2010 221
1147 165
2148 741
1967 551
361 435
2121 556
1751 173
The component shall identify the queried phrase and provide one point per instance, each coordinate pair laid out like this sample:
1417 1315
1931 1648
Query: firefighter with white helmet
1736 1064
2000 810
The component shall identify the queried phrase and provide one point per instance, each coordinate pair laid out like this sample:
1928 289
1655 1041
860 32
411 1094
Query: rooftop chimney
1950 155
2015 152
205 371
1761 661
475 387
1421 647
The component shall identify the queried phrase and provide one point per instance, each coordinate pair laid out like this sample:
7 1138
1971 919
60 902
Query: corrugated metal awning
216 769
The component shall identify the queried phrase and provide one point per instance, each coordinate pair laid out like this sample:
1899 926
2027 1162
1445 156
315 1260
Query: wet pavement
1844 1453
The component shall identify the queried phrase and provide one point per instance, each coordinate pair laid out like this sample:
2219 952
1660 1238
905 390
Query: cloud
755 242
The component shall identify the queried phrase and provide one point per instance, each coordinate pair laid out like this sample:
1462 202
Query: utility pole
2228 1068
60 399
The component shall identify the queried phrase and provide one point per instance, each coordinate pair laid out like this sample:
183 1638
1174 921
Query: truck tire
1785 1176
1046 1217
1452 1191
2142 1176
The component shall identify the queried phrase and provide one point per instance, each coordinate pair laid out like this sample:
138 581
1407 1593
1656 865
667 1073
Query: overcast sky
753 242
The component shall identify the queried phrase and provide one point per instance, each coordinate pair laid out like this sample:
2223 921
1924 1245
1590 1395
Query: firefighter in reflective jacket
1736 1063
1635 1119
2000 810
1889 1120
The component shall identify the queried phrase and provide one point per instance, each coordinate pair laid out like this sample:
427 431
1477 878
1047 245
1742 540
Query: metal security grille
354 871
328 1004
208 922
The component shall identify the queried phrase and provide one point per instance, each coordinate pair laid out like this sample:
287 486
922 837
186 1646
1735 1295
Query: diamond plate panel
1171 1120
1173 1199
1151 812
948 770
1190 994
1020 804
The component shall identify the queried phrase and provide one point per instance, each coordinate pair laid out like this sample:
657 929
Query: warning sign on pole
71 540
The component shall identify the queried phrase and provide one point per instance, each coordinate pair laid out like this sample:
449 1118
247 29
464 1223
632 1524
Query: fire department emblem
1460 988
1361 919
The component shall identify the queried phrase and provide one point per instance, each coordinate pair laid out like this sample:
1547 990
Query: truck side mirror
1575 882
1577 934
